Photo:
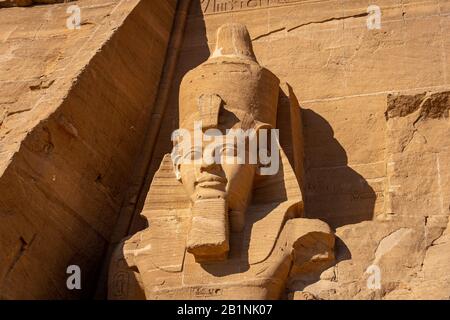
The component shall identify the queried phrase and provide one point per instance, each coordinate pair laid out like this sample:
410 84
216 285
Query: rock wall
375 125
27 3
74 109
78 118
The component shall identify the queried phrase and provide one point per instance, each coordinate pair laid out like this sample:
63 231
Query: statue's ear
264 134
176 162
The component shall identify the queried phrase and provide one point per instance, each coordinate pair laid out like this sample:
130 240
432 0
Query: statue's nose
209 159
208 166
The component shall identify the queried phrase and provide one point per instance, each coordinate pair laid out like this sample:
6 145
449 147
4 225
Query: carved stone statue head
241 221
223 102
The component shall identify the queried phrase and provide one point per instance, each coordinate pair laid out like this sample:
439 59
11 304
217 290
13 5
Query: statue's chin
211 190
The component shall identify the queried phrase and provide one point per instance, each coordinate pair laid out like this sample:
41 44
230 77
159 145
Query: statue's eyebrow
192 149
231 145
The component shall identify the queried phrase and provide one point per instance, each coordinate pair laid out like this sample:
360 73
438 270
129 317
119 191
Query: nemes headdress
230 89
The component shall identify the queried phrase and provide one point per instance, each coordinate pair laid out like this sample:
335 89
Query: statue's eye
229 150
193 154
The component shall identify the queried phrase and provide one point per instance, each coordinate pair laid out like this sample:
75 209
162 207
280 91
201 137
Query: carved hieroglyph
222 230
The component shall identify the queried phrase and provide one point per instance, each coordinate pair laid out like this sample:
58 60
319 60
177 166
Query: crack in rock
360 15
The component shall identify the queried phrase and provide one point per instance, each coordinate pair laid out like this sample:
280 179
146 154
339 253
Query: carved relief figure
227 230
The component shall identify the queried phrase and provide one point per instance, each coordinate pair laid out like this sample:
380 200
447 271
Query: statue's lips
210 181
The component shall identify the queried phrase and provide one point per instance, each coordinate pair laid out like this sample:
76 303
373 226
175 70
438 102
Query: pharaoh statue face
219 167
223 104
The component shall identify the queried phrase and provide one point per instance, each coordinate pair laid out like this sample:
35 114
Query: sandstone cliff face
410 242
75 106
25 3
74 109
376 130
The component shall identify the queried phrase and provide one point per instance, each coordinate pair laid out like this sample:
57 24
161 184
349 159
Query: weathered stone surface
25 3
240 234
371 156
409 243
74 110
361 91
